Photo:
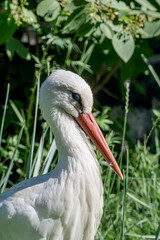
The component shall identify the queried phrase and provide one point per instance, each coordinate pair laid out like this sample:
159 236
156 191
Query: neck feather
74 149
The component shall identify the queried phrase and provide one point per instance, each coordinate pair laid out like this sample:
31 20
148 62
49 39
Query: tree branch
101 84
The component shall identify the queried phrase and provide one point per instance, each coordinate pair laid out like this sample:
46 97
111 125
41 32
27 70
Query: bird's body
65 204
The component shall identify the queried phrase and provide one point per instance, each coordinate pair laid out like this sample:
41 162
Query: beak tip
119 173
121 177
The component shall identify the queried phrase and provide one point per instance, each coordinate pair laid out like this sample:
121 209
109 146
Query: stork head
68 92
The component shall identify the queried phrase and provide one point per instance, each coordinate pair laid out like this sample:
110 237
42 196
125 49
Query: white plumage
65 204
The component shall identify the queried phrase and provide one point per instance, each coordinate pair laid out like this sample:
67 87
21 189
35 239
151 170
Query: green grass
4 113
131 206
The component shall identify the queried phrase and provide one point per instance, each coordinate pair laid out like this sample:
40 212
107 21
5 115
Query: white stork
66 203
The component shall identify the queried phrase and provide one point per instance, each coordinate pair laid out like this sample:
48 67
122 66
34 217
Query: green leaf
115 28
21 50
151 29
146 4
97 32
70 6
49 9
106 30
124 12
87 29
152 14
30 16
7 28
115 4
10 48
75 21
158 2
123 44
156 112
14 45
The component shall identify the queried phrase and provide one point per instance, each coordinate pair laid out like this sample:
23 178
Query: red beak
91 128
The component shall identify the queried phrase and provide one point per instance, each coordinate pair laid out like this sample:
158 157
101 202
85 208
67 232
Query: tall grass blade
123 136
4 113
30 158
151 70
100 237
5 180
85 56
158 232
111 177
124 197
110 227
17 112
157 140
141 237
49 157
69 50
155 124
39 154
139 201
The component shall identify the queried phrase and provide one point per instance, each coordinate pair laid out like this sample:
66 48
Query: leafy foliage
7 27
110 20
14 45
48 9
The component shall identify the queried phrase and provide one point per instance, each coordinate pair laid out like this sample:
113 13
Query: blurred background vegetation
115 46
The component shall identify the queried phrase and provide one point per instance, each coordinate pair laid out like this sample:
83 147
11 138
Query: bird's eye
76 97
